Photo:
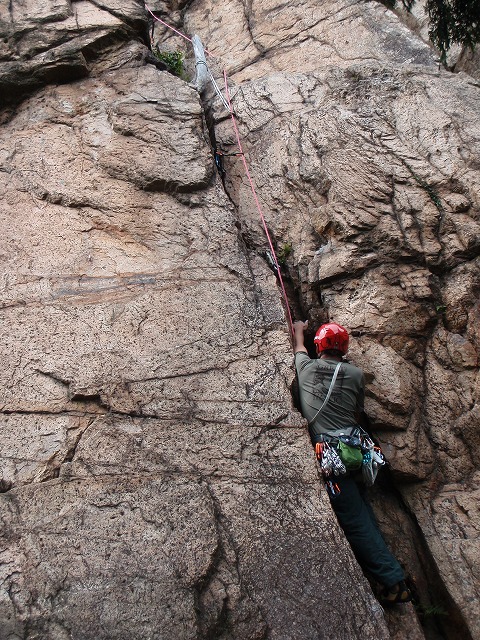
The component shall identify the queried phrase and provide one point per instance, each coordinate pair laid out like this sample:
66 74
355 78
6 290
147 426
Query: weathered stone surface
90 576
468 61
261 40
53 41
366 167
157 481
136 445
33 449
451 523
96 580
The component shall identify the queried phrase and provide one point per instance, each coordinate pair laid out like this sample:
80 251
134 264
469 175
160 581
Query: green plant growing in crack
431 610
173 60
284 251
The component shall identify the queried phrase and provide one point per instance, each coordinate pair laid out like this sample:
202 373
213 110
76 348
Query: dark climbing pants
358 522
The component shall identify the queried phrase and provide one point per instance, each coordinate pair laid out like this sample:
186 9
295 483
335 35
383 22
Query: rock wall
157 481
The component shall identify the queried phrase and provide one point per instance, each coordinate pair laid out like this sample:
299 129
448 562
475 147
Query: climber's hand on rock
300 326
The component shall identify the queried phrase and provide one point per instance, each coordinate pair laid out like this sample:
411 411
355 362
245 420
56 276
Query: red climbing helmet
331 336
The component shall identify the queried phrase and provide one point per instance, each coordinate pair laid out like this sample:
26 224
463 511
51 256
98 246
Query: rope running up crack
228 105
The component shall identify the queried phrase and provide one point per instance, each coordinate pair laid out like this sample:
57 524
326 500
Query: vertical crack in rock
223 607
417 199
70 455
430 592
249 243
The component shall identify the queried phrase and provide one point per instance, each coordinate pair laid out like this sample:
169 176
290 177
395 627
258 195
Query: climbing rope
259 208
182 35
228 106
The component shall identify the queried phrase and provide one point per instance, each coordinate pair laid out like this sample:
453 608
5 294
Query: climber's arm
298 341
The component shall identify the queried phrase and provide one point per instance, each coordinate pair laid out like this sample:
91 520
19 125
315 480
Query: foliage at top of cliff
451 21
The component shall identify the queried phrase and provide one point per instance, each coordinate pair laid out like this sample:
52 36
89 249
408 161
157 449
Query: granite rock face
382 242
367 168
157 480
59 40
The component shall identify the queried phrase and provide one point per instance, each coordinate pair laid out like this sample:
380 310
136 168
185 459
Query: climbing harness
227 103
339 454
346 452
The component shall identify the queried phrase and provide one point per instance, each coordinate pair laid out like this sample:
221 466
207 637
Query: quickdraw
329 460
332 488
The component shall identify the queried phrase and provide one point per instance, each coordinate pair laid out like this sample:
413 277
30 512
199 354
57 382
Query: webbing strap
327 397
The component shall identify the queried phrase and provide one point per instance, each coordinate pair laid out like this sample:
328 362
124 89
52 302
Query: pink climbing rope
165 24
182 35
257 202
247 172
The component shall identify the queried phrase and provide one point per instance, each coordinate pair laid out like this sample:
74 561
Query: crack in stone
69 456
212 629
54 376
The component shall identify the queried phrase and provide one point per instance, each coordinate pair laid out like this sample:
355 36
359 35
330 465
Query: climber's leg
361 530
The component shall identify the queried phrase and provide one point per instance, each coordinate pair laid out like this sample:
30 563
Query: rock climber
338 416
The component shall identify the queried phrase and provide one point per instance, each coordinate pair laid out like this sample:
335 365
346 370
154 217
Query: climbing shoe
398 594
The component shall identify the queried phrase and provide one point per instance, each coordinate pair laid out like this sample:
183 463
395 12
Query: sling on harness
329 393
352 452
